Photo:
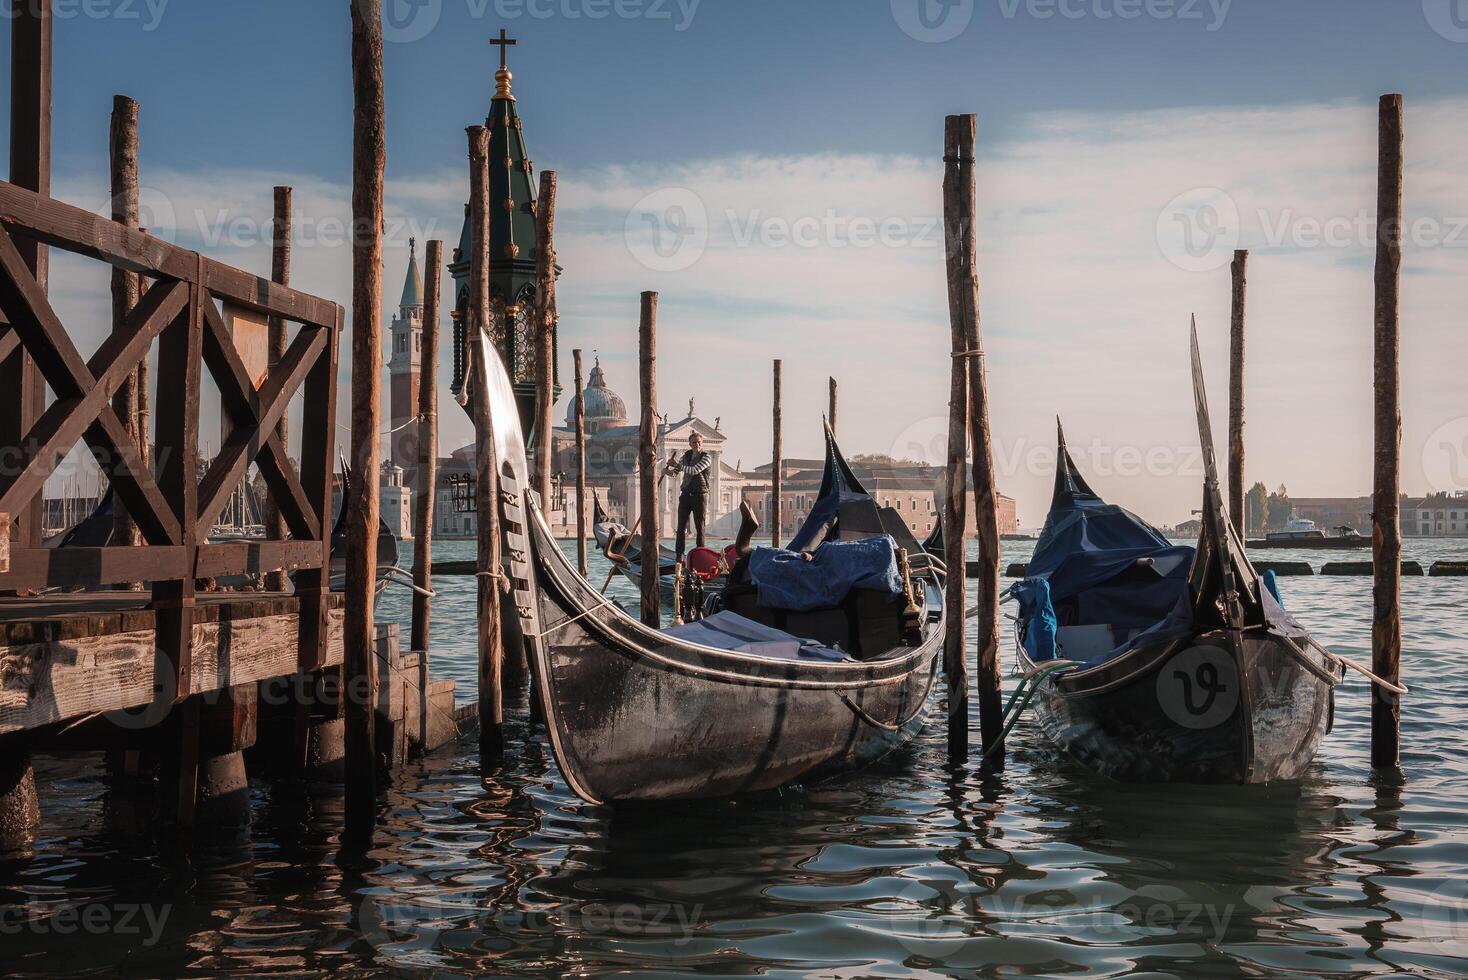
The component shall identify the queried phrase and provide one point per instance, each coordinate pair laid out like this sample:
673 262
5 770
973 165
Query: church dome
604 407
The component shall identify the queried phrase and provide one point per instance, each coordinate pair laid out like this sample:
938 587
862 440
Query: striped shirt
695 469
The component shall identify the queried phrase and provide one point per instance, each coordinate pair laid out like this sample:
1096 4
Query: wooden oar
617 558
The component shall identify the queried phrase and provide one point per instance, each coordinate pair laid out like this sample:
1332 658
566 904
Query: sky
774 170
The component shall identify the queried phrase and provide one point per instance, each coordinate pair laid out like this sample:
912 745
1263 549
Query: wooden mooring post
777 455
280 271
545 334
122 145
648 459
958 142
1240 270
831 406
359 674
486 478
582 564
1386 532
426 477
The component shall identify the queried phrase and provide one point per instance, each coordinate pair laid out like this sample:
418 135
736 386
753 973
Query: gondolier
693 497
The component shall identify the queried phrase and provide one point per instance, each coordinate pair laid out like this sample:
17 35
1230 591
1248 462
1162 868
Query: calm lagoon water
906 869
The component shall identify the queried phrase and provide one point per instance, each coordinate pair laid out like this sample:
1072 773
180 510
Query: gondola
1156 662
733 703
387 546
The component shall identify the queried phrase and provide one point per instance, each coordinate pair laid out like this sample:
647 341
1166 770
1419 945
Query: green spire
413 285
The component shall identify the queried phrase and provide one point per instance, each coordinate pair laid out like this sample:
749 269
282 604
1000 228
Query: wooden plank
254 414
1386 529
49 682
318 441
76 230
177 449
831 406
22 390
56 357
4 543
67 419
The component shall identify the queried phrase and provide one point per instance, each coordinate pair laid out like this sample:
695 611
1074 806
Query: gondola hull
635 715
1209 709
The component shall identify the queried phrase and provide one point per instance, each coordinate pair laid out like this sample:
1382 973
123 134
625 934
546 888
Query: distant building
1331 512
1440 515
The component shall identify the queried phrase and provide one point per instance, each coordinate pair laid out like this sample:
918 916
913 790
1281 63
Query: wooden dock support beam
1386 532
831 407
122 145
1240 270
777 455
958 144
359 671
582 564
22 392
280 271
647 331
486 480
545 333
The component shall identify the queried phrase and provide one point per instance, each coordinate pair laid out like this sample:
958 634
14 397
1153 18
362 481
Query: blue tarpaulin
1097 564
787 581
730 631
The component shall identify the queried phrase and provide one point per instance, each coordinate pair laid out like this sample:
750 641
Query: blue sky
1099 133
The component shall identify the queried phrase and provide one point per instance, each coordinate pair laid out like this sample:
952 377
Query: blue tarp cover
1095 564
787 581
730 631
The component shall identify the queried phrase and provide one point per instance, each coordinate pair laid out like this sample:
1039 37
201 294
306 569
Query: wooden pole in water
359 665
965 300
1240 269
1386 532
123 151
776 456
280 271
427 471
648 459
486 480
958 144
545 333
831 410
582 564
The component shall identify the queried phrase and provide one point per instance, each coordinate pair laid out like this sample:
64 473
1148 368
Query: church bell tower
405 366
512 250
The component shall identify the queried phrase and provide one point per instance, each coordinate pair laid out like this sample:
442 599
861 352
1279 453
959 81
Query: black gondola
731 704
1163 663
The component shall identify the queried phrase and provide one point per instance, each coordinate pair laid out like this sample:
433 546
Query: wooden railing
172 506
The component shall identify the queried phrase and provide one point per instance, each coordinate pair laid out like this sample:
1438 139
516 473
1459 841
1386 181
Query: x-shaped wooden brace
254 414
83 408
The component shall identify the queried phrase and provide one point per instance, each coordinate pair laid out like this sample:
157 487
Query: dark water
907 869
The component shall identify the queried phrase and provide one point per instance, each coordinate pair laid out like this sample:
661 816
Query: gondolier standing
693 497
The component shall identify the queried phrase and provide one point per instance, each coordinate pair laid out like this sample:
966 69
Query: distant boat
1157 662
1301 532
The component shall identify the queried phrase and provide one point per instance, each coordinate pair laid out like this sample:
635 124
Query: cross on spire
504 42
